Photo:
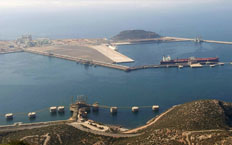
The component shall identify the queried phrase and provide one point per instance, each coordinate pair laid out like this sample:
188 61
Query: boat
195 65
180 66
221 63
212 65
191 60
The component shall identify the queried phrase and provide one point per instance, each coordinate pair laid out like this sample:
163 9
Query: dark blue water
32 82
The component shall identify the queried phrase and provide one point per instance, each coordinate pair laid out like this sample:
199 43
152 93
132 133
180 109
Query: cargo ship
191 60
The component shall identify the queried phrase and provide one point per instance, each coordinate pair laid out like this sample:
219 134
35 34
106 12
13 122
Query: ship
191 60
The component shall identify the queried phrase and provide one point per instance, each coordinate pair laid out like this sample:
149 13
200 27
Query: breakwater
168 39
116 66
80 60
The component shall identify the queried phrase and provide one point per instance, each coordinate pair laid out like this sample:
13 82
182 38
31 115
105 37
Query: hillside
203 122
198 115
135 34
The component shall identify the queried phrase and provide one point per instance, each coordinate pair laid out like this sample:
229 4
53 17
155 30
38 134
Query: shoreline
87 127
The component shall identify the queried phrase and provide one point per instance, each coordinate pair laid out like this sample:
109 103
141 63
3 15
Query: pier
80 60
180 66
80 109
111 65
195 40
168 39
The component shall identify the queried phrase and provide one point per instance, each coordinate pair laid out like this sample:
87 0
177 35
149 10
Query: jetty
98 52
80 60
112 65
168 39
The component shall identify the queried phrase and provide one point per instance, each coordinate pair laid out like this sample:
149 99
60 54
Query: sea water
30 82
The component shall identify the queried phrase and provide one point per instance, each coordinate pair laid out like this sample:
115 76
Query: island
135 34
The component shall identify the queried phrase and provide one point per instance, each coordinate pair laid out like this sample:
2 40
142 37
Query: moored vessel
191 60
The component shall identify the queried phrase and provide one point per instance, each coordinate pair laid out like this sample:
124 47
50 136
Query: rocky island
135 34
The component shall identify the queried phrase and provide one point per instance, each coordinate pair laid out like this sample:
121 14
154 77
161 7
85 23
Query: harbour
115 72
71 79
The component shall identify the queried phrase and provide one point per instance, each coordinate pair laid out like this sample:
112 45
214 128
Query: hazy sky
102 18
80 3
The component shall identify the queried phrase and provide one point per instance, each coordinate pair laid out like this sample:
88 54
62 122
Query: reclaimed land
83 49
101 52
203 122
8 47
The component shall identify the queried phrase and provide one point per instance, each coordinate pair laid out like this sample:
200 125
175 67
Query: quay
110 65
80 60
168 39
180 66
156 66
195 40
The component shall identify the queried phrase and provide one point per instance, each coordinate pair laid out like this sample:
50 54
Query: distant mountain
203 122
135 34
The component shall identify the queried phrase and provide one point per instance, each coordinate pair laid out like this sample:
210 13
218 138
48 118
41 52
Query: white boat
180 66
196 65
221 63
212 65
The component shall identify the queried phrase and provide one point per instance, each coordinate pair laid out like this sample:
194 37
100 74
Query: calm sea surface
30 82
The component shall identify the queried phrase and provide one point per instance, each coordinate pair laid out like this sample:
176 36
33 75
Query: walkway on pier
191 39
80 60
166 39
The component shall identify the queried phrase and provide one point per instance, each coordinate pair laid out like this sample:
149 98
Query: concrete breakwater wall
167 39
156 66
81 60
117 66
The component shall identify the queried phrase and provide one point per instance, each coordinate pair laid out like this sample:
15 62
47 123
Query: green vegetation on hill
135 34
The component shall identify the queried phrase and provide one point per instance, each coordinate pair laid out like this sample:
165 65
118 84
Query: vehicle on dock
191 60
